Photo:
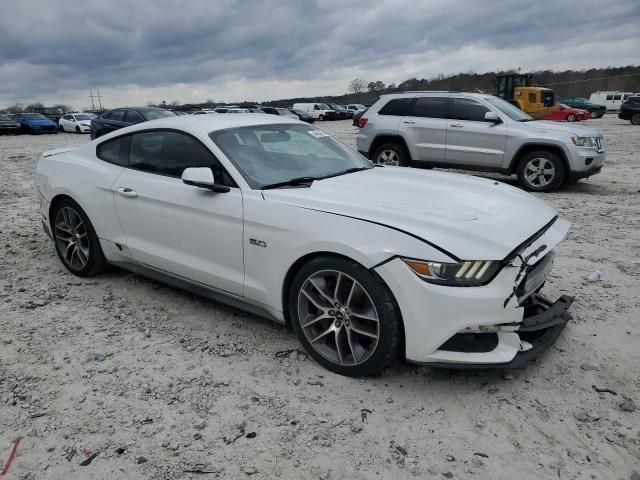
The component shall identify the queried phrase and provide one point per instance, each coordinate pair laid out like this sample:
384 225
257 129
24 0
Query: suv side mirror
492 117
202 177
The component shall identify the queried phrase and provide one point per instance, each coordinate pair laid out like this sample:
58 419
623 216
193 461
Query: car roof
205 123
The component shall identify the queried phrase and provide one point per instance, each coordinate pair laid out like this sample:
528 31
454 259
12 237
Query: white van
610 99
319 111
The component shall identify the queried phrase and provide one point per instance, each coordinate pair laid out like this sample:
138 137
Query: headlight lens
584 141
470 273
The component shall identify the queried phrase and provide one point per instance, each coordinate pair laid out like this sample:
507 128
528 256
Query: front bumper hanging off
540 328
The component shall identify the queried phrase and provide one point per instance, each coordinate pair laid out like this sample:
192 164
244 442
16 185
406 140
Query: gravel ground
161 384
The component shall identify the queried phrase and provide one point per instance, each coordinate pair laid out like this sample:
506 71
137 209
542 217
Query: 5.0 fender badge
258 243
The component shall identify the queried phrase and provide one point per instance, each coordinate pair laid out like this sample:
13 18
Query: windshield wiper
290 183
348 170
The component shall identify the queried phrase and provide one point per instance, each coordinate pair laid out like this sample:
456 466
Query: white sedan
274 216
75 122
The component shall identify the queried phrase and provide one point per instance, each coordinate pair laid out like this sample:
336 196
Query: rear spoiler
58 151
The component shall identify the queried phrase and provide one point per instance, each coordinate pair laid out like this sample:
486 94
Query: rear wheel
541 171
76 241
571 117
635 119
344 316
392 154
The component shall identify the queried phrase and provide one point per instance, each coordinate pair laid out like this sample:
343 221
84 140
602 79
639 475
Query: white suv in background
474 131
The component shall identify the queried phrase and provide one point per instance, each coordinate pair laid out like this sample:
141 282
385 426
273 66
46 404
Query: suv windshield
273 154
511 111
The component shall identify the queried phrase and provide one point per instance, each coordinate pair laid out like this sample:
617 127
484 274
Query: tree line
567 83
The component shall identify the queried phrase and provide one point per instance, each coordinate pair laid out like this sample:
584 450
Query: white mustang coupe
279 218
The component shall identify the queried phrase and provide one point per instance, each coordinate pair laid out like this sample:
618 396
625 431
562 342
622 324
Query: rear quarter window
397 107
115 151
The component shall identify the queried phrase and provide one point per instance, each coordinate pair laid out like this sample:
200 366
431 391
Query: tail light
362 122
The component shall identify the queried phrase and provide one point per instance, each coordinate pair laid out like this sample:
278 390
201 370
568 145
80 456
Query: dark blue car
123 117
35 123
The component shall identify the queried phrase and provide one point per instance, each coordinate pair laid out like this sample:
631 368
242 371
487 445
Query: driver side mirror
202 177
492 117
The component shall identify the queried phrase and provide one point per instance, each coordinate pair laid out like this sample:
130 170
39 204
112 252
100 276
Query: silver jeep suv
473 131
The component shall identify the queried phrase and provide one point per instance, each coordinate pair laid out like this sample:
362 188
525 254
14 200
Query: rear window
431 107
398 107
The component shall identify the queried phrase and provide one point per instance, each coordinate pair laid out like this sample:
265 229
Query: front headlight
470 273
584 141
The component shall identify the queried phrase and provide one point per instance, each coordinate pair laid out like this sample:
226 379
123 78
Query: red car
567 114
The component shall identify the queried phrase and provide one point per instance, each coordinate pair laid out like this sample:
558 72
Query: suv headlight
584 141
469 273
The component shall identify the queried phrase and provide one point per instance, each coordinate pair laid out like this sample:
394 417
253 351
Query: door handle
456 125
127 192
408 121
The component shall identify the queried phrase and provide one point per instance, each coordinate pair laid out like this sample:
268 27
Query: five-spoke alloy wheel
75 239
541 171
344 316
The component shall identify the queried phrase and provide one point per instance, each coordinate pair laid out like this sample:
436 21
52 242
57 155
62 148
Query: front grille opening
471 343
588 161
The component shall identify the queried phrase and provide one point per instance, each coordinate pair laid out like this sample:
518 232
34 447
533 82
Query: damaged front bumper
540 328
503 324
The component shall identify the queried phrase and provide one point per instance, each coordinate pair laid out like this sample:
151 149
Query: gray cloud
56 49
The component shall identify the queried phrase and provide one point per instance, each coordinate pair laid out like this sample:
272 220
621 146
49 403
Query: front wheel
392 154
77 129
541 171
571 117
76 241
321 117
635 119
344 316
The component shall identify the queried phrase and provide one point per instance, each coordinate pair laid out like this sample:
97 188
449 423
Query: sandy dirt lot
161 384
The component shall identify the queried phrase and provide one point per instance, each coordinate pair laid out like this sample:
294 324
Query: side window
169 153
617 97
397 107
467 109
431 107
131 116
533 98
114 151
609 97
117 115
315 107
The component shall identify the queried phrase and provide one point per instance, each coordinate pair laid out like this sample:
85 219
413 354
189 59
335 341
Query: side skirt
197 289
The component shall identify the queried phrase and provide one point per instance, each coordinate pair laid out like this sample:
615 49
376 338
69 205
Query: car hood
470 217
578 130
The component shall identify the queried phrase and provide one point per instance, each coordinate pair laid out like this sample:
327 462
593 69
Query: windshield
82 117
267 154
283 111
155 114
33 116
337 108
511 111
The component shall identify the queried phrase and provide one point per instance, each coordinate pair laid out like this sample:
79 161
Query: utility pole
98 97
93 107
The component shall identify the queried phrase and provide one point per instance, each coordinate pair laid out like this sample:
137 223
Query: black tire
548 156
382 152
61 128
387 346
321 117
95 261
78 129
571 117
635 119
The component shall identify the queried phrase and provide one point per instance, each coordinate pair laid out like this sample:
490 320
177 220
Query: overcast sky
139 51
